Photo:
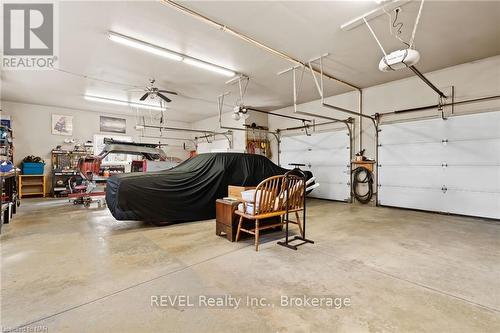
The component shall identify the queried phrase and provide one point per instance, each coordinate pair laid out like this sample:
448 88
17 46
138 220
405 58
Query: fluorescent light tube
123 103
154 49
138 44
208 66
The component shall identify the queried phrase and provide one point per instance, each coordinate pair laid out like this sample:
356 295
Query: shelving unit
6 144
31 185
64 167
10 201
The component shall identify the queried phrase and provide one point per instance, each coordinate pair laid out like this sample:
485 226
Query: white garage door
327 156
450 166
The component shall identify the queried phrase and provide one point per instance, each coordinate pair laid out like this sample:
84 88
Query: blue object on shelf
6 166
30 168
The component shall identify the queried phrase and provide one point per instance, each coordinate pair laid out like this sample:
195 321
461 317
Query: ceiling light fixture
208 66
123 103
240 111
138 44
154 49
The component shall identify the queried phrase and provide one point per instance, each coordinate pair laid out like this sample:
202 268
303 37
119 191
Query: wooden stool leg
239 227
299 224
257 235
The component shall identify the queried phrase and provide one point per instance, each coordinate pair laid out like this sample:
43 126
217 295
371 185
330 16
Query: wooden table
226 222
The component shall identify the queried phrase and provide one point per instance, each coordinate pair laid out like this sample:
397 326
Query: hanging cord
412 40
397 26
356 181
417 20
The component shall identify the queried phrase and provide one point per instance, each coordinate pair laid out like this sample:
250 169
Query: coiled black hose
357 178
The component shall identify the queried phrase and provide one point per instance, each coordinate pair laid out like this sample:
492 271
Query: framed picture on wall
62 124
114 125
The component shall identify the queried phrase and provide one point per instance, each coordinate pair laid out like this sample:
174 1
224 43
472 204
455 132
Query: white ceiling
450 33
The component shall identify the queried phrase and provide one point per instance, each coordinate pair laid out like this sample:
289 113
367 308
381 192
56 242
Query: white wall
471 80
33 136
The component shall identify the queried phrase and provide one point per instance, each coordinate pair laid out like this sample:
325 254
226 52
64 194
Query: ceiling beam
249 39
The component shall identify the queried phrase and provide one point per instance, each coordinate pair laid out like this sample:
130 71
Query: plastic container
6 166
33 168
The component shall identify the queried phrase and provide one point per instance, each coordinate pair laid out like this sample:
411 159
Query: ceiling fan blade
168 92
165 98
144 96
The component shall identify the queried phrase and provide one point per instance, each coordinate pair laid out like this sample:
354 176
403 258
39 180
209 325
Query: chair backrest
266 193
273 194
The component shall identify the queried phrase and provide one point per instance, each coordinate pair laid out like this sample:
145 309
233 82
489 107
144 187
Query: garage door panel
474 152
295 143
411 154
331 190
409 197
324 142
474 126
292 157
332 174
424 131
472 203
416 176
469 158
480 178
327 156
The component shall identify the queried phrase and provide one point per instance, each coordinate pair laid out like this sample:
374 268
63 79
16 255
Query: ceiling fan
152 91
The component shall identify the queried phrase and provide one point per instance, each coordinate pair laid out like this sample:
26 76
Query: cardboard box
235 191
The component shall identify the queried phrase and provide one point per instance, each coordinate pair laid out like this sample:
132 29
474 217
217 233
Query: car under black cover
188 191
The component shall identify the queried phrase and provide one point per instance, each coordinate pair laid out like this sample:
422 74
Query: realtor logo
28 36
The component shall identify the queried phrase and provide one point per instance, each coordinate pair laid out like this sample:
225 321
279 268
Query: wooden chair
270 200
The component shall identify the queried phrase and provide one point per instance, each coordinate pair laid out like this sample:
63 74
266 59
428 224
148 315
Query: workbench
9 200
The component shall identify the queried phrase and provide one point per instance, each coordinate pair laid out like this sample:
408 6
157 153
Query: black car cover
188 191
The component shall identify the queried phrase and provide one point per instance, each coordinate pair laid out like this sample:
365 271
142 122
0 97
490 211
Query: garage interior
255 166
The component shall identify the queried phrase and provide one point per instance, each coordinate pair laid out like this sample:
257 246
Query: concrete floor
71 269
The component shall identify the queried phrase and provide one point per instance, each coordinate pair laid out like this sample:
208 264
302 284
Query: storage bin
33 168
6 166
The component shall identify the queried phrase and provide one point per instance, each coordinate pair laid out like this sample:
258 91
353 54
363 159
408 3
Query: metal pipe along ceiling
435 106
277 114
309 126
167 128
250 40
165 138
